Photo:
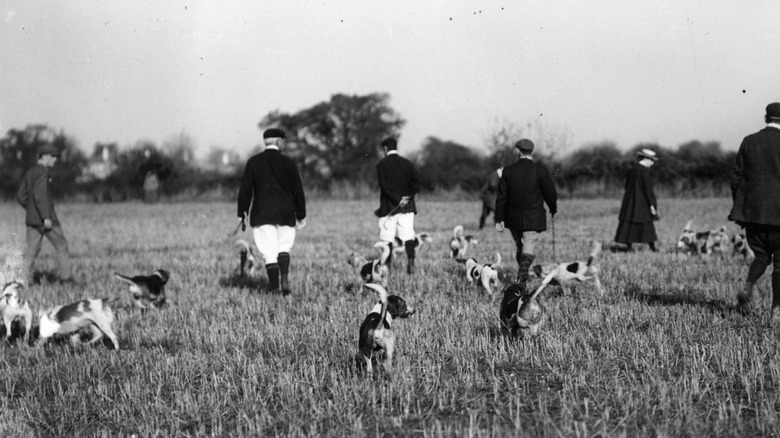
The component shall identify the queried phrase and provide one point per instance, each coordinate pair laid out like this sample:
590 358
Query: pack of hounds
519 310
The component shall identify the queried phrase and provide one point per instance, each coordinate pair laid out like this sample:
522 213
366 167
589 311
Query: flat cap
773 110
525 145
273 133
48 149
647 153
389 143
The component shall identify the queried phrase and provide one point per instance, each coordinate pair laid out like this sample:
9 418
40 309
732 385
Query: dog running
375 271
459 244
12 309
485 275
562 273
376 332
520 311
148 290
69 319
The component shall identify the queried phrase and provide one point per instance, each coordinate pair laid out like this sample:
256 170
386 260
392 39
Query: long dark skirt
635 232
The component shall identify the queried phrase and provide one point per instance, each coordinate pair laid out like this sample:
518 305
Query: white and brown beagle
581 271
705 242
12 309
421 240
249 263
376 334
520 311
485 275
740 246
148 290
459 244
69 319
374 271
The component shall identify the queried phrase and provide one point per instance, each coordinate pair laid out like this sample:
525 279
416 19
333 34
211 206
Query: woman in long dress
638 210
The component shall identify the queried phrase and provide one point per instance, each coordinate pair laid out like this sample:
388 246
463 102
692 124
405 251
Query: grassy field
661 354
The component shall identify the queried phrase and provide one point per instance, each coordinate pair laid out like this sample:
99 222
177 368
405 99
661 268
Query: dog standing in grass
485 275
376 334
563 273
374 271
460 243
148 290
70 319
12 309
520 311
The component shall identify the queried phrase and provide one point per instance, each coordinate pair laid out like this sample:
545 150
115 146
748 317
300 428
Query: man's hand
242 223
652 210
47 224
404 201
500 227
300 224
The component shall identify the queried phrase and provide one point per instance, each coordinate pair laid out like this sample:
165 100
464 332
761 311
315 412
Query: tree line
335 144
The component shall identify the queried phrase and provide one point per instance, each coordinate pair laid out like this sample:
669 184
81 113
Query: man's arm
41 196
414 180
736 172
21 194
549 193
298 195
245 192
385 184
501 200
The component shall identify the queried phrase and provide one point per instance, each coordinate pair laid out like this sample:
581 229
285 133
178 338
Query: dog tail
382 299
458 231
497 260
385 248
124 278
688 226
594 252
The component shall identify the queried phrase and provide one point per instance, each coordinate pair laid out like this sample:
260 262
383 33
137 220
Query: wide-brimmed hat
48 149
648 153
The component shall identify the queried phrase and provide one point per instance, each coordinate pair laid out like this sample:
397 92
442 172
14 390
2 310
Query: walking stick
552 218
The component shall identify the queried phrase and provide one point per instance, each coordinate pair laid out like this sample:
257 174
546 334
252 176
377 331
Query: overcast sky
627 71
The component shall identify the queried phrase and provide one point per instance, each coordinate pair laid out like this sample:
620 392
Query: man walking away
755 185
272 187
398 183
41 219
524 188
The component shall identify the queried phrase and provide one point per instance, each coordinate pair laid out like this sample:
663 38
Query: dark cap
773 110
389 143
525 145
48 149
273 133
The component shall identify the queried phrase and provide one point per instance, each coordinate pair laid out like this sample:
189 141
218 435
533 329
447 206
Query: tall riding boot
272 269
389 262
775 294
284 268
523 266
747 299
653 247
482 218
409 245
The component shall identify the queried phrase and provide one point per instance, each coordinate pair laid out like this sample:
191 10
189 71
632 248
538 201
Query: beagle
740 246
375 271
12 309
703 242
520 311
485 275
563 273
376 331
421 240
69 319
149 289
459 244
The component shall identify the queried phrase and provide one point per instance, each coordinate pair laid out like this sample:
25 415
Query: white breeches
272 240
398 224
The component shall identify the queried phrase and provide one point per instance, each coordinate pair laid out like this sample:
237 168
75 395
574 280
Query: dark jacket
755 179
489 191
523 188
638 196
34 195
397 178
272 186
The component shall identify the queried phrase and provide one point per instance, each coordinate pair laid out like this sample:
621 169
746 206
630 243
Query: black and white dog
705 242
69 319
581 271
740 247
459 244
520 311
485 275
374 271
376 334
12 309
148 290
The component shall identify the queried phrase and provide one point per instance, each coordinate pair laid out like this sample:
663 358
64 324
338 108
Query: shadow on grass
685 297
244 282
39 277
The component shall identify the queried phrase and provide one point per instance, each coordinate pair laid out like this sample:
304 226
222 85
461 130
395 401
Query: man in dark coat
755 185
272 186
41 219
638 210
524 188
488 195
398 183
